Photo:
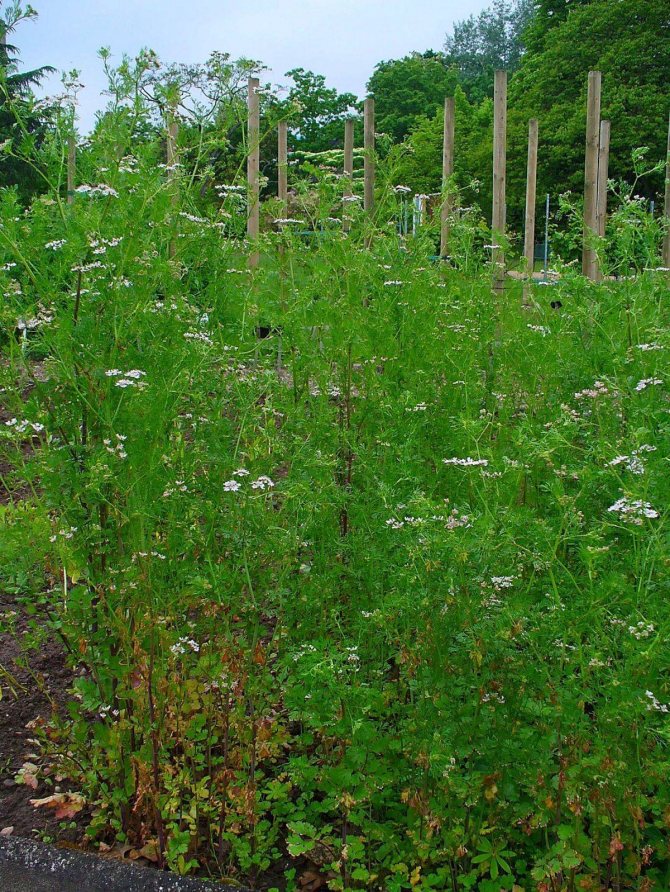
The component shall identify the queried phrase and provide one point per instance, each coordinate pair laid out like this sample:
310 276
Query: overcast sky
342 39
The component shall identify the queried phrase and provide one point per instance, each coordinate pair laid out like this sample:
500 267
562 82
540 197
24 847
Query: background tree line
547 47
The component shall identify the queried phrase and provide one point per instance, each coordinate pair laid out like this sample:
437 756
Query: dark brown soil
28 695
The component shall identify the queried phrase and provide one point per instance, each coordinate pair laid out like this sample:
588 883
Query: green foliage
317 112
491 40
630 44
22 127
362 573
408 89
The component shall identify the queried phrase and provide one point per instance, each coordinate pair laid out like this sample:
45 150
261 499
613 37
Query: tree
630 44
408 89
317 112
481 44
21 128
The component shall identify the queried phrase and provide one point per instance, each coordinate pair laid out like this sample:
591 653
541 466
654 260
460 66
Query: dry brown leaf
65 805
149 851
27 774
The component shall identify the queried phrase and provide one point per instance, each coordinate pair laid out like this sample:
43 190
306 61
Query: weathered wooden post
601 202
666 211
531 197
282 165
447 172
499 178
71 166
253 168
369 164
348 168
589 256
172 161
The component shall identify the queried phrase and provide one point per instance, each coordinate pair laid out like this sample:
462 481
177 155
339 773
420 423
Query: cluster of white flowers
540 329
303 651
261 483
118 449
654 704
22 426
641 630
633 510
632 462
652 346
456 520
598 389
466 462
88 267
101 189
56 245
647 382
193 219
182 644
131 378
179 486
128 164
493 697
199 336
143 554
501 582
285 221
100 245
420 407
401 190
394 282
64 534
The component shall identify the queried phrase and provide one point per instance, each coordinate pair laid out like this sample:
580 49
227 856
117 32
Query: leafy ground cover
361 573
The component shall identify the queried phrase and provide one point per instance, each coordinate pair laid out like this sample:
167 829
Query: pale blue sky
342 39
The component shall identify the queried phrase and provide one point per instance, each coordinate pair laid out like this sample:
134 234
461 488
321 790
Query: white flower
646 382
231 486
241 472
633 510
262 483
466 462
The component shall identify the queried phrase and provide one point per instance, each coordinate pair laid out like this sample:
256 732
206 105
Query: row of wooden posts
595 174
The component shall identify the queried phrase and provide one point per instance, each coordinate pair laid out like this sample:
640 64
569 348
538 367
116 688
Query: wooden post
282 165
499 177
447 172
348 168
369 144
666 240
71 167
589 257
172 158
531 197
601 202
253 167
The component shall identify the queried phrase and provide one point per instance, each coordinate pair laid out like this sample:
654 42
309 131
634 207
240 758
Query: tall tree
408 89
630 44
318 112
483 43
21 129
